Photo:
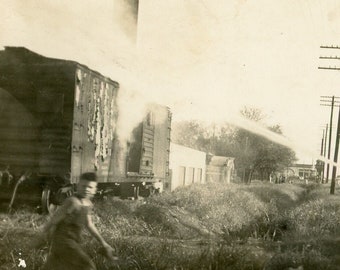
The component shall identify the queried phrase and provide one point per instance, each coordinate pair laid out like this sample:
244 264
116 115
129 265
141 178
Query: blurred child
65 226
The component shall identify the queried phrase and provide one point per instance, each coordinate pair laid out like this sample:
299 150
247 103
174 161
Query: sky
205 59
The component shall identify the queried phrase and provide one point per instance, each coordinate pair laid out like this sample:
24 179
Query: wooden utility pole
324 155
323 138
329 101
324 151
321 154
324 148
332 190
336 151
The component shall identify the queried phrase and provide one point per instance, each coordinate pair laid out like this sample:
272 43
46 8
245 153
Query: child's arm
95 233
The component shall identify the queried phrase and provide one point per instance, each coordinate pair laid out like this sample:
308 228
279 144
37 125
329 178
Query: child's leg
69 255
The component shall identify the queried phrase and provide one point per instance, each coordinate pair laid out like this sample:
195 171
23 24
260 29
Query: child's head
87 185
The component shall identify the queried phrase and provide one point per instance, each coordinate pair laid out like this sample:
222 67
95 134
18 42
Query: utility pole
321 154
336 151
329 101
332 190
323 138
324 155
324 148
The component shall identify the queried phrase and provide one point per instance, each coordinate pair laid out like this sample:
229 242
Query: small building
303 171
219 169
187 166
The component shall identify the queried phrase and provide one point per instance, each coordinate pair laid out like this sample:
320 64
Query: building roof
220 161
305 166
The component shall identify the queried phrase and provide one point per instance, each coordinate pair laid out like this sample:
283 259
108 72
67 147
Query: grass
258 226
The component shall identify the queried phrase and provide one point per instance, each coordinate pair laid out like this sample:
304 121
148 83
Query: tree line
256 157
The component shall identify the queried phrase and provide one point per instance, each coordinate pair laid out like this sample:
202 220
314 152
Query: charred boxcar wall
94 124
150 143
162 127
148 139
135 149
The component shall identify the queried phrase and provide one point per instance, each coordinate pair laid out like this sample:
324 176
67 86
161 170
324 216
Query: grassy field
257 226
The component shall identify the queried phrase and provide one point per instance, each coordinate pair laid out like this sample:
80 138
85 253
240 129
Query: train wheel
48 207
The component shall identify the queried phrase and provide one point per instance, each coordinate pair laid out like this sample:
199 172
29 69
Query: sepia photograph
169 135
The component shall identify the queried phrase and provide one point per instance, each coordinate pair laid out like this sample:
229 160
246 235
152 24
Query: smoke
261 130
132 110
203 59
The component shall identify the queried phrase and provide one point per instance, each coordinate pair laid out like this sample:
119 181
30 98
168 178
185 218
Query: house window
301 173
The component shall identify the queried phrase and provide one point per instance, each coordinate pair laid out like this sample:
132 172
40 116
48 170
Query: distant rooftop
220 161
309 166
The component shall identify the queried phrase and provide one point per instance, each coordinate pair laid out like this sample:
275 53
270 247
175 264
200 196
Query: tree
253 114
259 155
191 134
254 154
207 138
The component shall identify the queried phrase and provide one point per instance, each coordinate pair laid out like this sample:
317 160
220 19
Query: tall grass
212 226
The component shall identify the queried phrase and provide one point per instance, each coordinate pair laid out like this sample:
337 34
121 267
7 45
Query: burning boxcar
58 119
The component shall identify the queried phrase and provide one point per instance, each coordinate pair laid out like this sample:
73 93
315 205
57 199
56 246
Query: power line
329 57
329 47
331 68
326 100
327 105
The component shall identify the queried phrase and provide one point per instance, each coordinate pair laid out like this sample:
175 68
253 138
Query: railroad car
58 119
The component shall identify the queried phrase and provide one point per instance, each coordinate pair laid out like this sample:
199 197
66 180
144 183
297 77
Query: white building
220 169
187 166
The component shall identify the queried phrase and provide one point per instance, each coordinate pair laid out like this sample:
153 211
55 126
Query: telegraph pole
324 155
324 148
321 154
329 101
323 138
332 190
336 151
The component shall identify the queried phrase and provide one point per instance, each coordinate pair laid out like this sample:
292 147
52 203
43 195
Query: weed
208 226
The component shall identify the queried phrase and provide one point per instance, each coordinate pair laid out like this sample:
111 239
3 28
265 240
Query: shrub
200 227
316 217
308 260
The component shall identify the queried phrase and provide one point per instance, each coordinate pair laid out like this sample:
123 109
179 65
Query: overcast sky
205 59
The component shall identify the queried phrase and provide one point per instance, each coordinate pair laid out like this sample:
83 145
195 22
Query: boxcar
58 119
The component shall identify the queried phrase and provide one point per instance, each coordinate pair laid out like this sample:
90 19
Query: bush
316 217
208 226
306 260
164 254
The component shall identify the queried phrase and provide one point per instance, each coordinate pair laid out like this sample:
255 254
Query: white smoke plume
204 59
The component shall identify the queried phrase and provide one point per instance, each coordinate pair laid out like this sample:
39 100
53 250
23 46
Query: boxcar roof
21 55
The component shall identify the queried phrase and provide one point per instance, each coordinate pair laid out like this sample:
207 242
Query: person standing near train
65 226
